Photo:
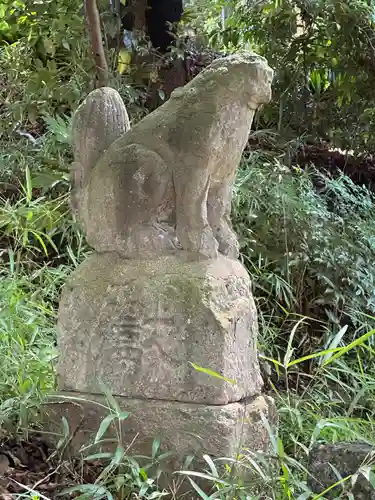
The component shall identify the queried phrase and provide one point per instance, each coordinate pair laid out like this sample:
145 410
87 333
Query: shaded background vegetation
303 204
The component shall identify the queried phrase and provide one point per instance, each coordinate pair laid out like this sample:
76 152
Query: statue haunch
164 186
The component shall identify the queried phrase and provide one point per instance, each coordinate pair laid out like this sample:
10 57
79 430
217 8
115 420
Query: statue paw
200 243
229 246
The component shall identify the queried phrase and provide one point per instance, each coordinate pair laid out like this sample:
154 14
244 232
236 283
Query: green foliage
308 242
27 335
47 64
318 411
322 53
37 227
44 61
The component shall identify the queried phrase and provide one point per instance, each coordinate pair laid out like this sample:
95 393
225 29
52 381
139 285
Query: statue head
245 74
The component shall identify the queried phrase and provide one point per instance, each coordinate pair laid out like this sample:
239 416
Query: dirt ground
28 466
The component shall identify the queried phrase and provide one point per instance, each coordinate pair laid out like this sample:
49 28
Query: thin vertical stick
93 22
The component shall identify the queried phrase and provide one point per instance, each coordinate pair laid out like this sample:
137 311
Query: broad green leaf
200 492
202 475
98 456
155 447
336 341
106 422
211 373
29 184
290 349
211 464
312 356
356 343
323 493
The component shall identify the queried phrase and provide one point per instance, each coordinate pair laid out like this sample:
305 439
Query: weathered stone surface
346 458
165 185
184 428
163 288
136 325
98 122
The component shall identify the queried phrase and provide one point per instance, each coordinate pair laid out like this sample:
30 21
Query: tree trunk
93 22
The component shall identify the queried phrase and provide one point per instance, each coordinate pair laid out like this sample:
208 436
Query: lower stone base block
183 428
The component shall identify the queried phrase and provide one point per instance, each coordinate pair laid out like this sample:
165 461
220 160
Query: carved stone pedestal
183 428
137 326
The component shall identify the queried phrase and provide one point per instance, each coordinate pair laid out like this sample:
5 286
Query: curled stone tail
98 122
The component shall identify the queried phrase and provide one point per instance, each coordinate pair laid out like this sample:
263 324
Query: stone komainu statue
159 195
164 186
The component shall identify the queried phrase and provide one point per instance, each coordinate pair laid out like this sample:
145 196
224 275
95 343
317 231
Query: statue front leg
192 228
218 211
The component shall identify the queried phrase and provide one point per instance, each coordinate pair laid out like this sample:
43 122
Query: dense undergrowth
307 240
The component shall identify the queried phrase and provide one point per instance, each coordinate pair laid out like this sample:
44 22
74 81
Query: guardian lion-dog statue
164 186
